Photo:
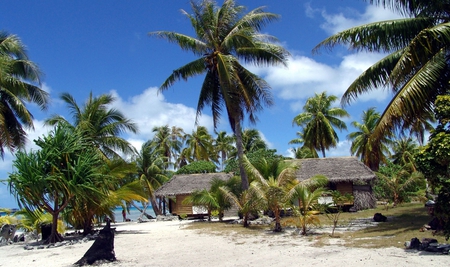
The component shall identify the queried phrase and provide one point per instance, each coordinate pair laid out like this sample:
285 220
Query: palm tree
19 83
369 149
101 124
200 144
225 35
404 150
318 121
276 178
151 171
302 152
415 68
307 194
223 145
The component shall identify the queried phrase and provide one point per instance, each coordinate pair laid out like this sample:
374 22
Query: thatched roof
342 169
187 183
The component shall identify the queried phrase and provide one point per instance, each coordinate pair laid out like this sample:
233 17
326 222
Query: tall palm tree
415 68
319 120
19 83
100 123
252 140
168 141
302 152
223 144
225 35
369 149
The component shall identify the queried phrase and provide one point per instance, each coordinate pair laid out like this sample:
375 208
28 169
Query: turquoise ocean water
133 213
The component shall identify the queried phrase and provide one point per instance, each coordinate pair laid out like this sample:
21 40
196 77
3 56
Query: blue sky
102 47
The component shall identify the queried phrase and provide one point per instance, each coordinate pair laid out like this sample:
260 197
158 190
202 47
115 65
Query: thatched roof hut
337 170
182 185
345 174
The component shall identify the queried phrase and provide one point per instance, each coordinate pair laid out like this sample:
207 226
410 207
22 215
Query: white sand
171 244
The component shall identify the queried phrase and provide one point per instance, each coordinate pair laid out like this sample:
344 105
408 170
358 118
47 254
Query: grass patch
403 224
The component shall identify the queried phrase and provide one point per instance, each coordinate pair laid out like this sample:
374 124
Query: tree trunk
142 211
240 149
102 249
155 206
277 221
245 220
87 225
54 235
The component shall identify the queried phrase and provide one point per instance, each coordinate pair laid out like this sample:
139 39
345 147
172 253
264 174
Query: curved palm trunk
141 210
240 149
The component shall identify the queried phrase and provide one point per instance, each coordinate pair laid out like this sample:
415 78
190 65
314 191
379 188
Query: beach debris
7 232
102 249
378 217
427 244
164 218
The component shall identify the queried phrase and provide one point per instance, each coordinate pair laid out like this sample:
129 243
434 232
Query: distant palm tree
225 35
101 124
168 141
369 149
224 146
19 83
302 152
200 144
415 69
404 150
318 121
151 171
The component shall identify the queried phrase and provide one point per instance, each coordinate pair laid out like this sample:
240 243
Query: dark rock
414 244
378 217
426 243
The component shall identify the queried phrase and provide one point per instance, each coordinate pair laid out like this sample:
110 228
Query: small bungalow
181 186
345 174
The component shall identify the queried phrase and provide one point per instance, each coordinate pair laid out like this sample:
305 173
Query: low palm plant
307 193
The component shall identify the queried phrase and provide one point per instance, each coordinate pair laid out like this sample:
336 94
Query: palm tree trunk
141 210
240 149
277 221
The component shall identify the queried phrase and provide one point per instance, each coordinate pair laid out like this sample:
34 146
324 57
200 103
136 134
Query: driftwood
102 249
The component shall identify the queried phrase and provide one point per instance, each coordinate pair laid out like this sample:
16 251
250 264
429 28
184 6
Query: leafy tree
370 150
433 161
225 35
276 178
65 168
198 167
19 83
396 183
307 193
99 123
268 154
415 68
319 120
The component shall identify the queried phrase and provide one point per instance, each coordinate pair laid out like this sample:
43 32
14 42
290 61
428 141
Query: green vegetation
201 166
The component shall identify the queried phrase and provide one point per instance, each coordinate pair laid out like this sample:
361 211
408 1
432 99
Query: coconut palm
276 178
319 120
19 83
369 149
415 68
223 145
403 151
225 35
200 144
100 123
306 194
302 152
151 171
168 140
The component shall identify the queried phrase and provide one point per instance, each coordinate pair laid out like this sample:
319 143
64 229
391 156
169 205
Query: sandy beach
172 244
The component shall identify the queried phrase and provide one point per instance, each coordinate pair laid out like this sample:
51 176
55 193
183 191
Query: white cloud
349 18
151 109
304 76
